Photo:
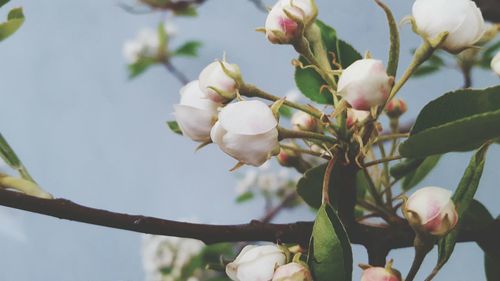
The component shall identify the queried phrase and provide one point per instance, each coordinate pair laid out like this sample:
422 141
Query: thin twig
383 160
176 72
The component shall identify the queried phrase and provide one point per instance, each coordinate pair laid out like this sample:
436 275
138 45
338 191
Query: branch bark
372 237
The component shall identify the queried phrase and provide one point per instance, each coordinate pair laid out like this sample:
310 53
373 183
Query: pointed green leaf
309 81
3 2
245 197
463 198
420 173
162 37
14 21
188 49
174 127
457 121
405 167
330 254
310 186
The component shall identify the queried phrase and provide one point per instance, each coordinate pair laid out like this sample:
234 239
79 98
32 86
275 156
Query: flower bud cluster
146 43
266 263
287 17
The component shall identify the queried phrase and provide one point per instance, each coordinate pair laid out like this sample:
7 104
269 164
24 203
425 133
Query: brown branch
372 237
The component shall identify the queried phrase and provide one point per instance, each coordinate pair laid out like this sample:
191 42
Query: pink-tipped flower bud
219 81
288 157
292 272
364 84
302 121
495 64
395 108
431 210
282 23
354 116
380 274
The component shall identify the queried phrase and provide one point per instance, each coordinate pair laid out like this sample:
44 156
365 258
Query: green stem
326 181
422 248
305 151
383 160
372 189
292 134
249 90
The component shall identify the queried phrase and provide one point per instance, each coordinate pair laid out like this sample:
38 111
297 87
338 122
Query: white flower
256 263
216 83
292 272
160 252
145 44
293 95
280 28
431 210
247 131
364 84
195 114
461 18
302 121
495 64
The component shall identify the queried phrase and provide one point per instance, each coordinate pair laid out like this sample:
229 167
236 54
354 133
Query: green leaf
463 198
420 173
174 127
245 197
3 2
309 81
330 256
140 66
187 12
285 111
457 121
162 37
310 186
8 155
405 167
392 66
188 49
15 19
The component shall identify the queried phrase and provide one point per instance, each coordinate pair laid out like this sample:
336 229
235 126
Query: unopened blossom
354 116
195 113
380 274
256 263
247 131
495 64
302 121
292 272
462 19
219 81
364 84
145 44
431 210
395 108
282 23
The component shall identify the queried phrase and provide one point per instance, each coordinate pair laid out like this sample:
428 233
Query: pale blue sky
90 135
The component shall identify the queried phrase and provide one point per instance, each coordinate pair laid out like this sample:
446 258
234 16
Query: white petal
247 118
192 95
252 150
428 202
193 122
214 76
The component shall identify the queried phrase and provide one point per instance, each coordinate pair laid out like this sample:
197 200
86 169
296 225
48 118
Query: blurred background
89 134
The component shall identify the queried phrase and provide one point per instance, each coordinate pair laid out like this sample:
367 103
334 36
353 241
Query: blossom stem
252 91
176 72
326 181
306 151
384 138
422 248
383 160
291 134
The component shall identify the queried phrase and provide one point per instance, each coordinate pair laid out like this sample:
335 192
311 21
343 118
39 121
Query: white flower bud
495 64
354 116
256 263
280 27
195 114
380 274
247 131
292 272
431 210
302 121
219 84
364 84
462 19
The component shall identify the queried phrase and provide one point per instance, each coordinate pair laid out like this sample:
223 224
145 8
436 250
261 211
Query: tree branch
372 237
